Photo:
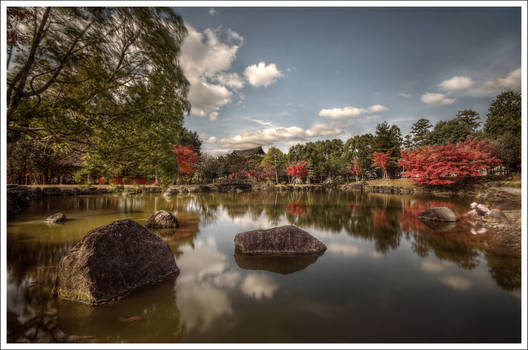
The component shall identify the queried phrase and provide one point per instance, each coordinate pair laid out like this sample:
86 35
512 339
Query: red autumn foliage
253 174
297 170
296 208
354 170
380 159
187 159
447 164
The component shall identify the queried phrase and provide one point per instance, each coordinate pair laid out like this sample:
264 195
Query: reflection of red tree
408 217
296 208
354 206
379 218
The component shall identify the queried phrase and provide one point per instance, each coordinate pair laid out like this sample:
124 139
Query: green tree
359 149
469 118
388 140
276 160
503 125
101 81
419 131
504 115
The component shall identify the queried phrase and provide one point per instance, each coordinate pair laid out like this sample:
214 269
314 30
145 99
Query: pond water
385 277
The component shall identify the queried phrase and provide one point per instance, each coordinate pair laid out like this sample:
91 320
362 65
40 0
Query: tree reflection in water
385 220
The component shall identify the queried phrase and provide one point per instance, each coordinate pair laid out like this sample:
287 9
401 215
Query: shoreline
505 241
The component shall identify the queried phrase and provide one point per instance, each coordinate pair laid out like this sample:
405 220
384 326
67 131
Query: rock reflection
278 264
149 314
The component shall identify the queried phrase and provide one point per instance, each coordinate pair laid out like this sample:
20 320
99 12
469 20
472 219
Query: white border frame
3 174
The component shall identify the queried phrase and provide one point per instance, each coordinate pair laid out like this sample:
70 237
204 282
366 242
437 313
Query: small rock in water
56 218
162 219
438 214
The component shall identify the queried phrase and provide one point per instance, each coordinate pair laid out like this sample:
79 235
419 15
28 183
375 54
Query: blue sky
280 76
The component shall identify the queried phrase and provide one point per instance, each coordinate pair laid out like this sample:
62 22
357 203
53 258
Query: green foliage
358 150
504 115
419 131
104 82
388 140
276 160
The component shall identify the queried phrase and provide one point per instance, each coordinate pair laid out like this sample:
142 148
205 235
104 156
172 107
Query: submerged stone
162 219
56 218
284 240
113 260
438 214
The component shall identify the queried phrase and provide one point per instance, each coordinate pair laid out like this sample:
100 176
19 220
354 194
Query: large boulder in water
111 261
162 219
284 240
438 214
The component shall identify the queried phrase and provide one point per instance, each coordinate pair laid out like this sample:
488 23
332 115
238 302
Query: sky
282 76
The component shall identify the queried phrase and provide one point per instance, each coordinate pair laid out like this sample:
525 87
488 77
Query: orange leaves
449 163
187 159
297 170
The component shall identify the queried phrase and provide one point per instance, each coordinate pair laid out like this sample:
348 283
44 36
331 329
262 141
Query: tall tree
275 159
358 150
419 131
92 79
388 140
469 118
504 115
503 125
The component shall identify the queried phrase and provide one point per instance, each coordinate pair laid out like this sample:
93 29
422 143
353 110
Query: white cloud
404 95
512 81
259 286
262 74
456 282
434 266
350 111
271 135
212 11
206 62
377 109
456 83
232 80
436 99
343 249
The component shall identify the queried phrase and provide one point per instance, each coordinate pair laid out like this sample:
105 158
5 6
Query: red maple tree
187 159
380 159
449 163
354 170
297 170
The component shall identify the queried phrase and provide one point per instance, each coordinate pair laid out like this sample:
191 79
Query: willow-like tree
104 81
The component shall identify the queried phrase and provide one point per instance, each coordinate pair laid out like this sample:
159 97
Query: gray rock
284 240
56 218
438 214
162 219
498 216
113 260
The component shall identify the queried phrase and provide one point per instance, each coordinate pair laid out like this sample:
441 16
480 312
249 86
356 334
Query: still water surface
385 277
